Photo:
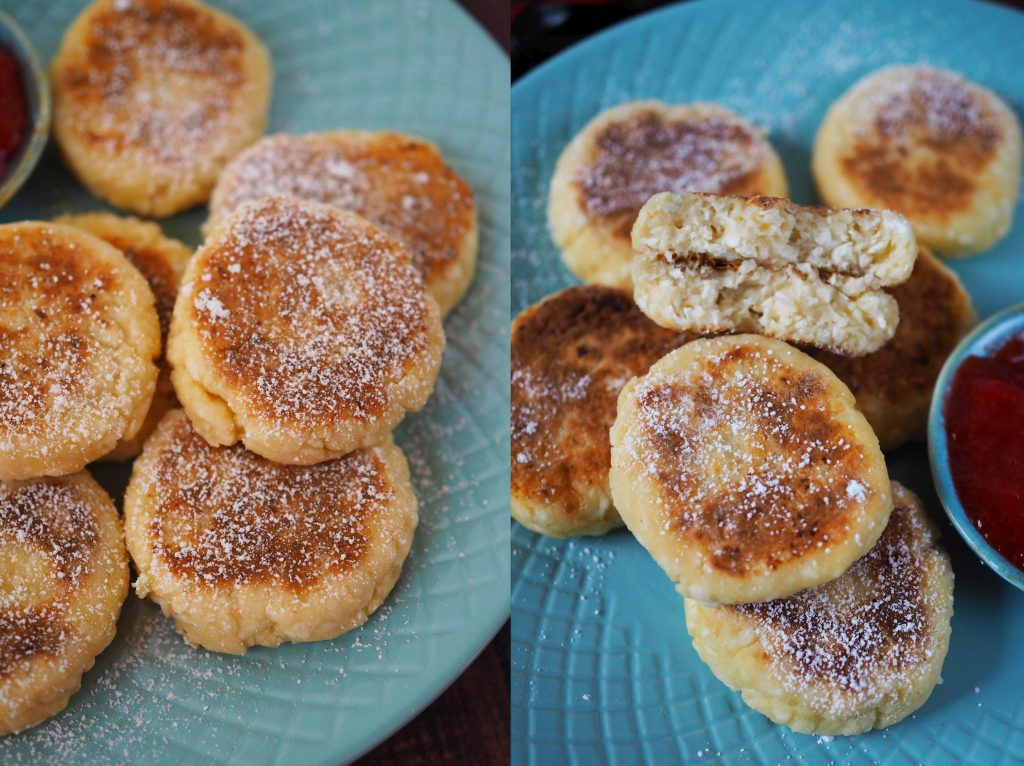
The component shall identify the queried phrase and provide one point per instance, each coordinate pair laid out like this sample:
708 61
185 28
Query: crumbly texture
303 331
79 337
161 260
627 154
241 551
709 263
152 98
396 181
571 355
63 578
744 468
861 652
940 149
893 385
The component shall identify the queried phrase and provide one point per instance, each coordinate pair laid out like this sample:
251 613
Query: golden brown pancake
78 341
152 98
63 578
860 652
242 551
398 182
927 143
303 331
161 260
571 355
627 154
893 386
744 468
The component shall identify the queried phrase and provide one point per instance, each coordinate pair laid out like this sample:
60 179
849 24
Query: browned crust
571 355
249 520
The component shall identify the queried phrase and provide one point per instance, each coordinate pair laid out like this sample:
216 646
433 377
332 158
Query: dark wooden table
469 723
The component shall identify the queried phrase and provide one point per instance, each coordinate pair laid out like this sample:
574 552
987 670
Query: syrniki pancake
571 355
631 152
152 98
161 260
398 182
63 579
940 149
79 337
241 551
303 331
861 652
743 467
709 263
893 385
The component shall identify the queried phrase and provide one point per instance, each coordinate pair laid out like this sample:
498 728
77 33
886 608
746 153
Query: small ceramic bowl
37 90
985 340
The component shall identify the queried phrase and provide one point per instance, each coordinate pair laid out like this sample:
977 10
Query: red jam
13 109
985 425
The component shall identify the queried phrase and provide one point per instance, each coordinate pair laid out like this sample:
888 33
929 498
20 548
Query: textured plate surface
425 67
602 668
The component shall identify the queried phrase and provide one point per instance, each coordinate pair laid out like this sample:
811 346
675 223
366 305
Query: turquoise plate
425 67
602 668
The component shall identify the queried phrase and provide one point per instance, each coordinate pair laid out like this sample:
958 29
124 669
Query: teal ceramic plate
602 668
417 65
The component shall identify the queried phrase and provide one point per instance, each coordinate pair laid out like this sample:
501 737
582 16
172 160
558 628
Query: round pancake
629 153
302 331
571 355
78 341
152 98
927 143
744 468
861 652
398 182
161 260
63 578
893 385
241 551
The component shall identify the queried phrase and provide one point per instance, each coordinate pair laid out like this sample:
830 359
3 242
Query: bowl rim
34 78
988 335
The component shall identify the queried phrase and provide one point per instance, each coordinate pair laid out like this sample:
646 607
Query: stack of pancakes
751 466
272 504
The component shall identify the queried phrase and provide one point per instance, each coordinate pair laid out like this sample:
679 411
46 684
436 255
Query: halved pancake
861 652
893 385
396 181
241 551
79 337
303 331
63 578
571 355
744 468
152 98
710 263
940 149
161 260
629 153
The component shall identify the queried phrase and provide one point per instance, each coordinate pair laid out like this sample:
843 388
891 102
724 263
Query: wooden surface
467 725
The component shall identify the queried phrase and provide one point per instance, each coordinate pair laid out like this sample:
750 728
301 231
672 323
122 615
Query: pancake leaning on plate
709 263
630 152
940 149
743 467
861 652
241 551
893 385
161 260
63 579
571 355
303 331
79 337
152 98
398 182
